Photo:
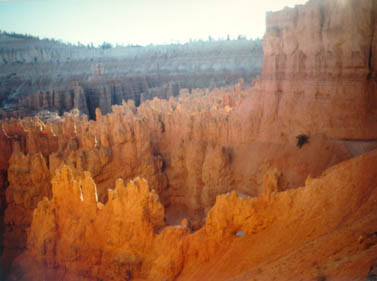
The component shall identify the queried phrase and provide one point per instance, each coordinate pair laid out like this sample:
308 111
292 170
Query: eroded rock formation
317 231
74 237
41 75
193 150
189 150
319 70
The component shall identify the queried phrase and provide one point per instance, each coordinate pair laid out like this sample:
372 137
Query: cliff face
319 69
43 75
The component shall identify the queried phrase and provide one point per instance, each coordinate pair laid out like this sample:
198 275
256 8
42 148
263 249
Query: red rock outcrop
129 238
25 179
30 175
199 145
316 231
190 149
324 229
319 70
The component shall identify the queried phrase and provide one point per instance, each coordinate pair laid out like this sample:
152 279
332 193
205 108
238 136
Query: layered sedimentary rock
74 237
189 150
43 75
319 70
202 144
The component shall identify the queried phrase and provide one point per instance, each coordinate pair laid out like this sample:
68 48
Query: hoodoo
269 180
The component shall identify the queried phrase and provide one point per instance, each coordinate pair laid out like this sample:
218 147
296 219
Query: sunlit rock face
223 162
319 69
327 227
189 149
322 230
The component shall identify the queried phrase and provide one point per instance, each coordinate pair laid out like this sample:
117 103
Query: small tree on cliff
106 46
301 140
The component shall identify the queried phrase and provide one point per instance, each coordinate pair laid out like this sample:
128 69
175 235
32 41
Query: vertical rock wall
319 69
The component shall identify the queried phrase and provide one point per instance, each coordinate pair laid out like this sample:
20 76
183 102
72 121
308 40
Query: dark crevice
353 140
92 102
321 15
370 56
3 205
369 75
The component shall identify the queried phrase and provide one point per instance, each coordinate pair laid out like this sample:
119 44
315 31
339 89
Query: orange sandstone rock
196 146
319 70
189 156
317 227
304 234
74 230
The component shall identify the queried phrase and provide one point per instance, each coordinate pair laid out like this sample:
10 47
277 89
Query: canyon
46 75
204 183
